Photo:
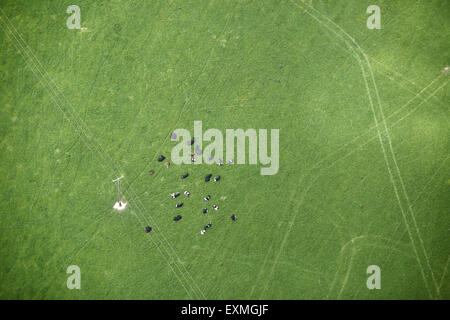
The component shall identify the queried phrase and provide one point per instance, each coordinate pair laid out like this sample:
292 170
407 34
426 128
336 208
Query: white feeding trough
119 205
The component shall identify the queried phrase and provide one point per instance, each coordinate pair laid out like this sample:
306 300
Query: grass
343 199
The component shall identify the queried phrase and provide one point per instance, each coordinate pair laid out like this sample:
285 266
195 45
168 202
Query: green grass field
364 146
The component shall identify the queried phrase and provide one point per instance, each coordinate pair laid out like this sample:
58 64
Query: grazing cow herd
187 194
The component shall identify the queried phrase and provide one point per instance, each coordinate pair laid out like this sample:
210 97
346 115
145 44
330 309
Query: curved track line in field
392 154
353 241
71 116
391 150
386 74
341 252
382 146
